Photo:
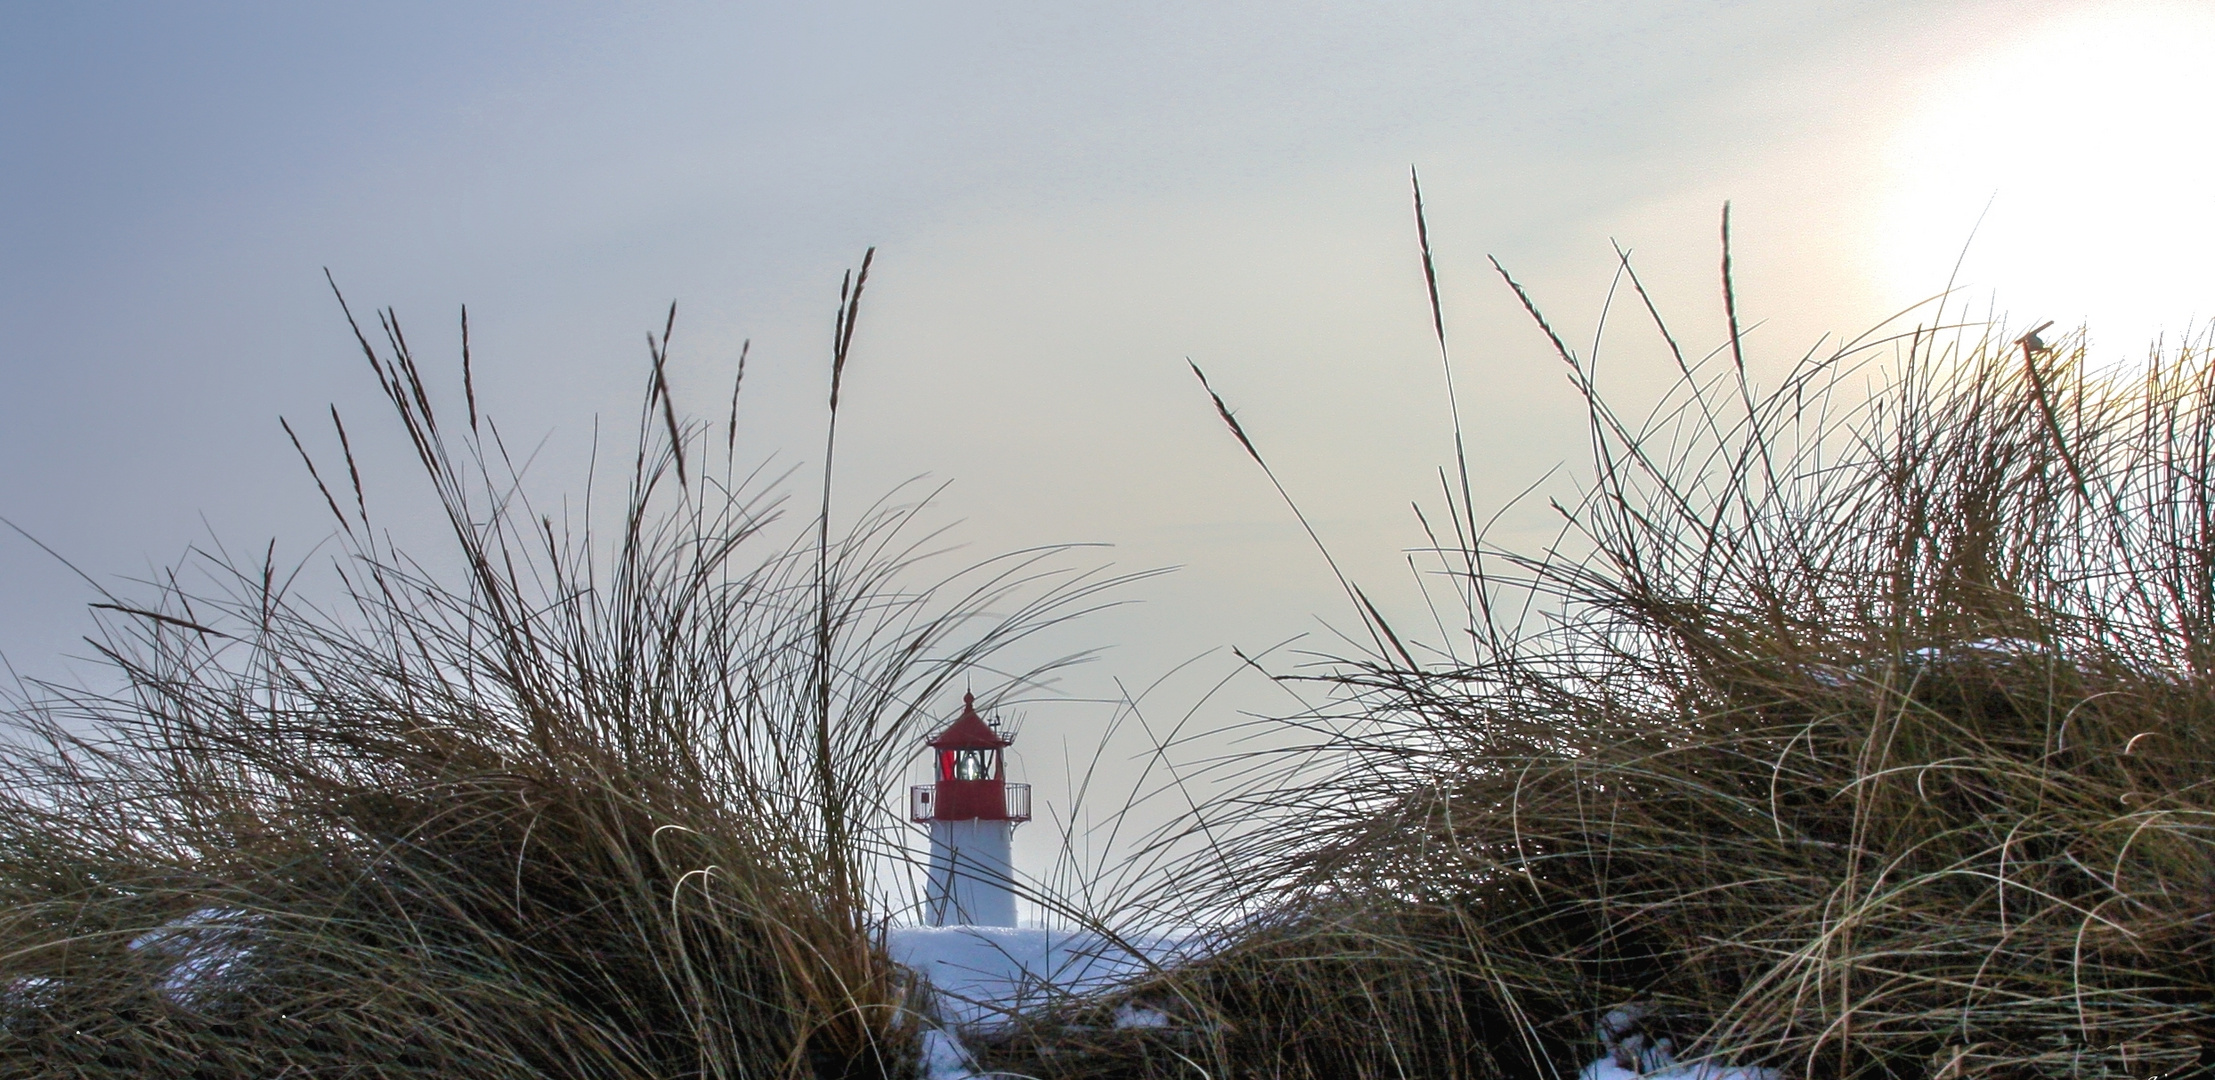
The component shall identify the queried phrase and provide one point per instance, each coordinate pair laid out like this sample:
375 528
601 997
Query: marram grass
552 802
1864 728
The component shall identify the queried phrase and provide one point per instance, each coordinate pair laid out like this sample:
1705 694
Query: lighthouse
972 811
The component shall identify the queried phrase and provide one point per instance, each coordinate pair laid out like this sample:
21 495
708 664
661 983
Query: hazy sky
1069 200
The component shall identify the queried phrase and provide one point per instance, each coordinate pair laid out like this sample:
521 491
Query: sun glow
2092 138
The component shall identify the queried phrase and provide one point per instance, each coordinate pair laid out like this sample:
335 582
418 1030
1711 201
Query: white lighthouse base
972 874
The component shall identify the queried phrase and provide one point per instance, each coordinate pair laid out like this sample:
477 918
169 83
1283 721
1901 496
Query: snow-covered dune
984 975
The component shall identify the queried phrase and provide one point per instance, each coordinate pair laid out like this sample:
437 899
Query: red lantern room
972 775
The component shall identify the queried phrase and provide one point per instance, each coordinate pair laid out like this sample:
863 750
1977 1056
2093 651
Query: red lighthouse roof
969 731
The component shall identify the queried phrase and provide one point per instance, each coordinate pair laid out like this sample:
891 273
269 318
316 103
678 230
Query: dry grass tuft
1858 733
548 804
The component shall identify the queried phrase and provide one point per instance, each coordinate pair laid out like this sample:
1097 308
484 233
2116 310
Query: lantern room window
969 764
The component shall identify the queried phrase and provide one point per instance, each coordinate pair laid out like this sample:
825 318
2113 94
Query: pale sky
1068 200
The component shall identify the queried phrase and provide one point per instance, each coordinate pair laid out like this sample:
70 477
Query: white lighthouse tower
972 811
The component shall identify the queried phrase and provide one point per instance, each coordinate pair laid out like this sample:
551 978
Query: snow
1607 1069
1129 1015
29 992
198 950
982 976
1637 1050
1988 650
945 1058
194 955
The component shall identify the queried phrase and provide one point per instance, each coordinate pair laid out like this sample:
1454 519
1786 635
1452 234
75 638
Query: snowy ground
1607 1069
1636 1050
983 976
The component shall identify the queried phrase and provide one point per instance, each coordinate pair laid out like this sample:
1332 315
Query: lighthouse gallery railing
923 802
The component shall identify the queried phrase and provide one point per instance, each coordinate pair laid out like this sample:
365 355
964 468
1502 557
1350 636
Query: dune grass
555 801
1858 727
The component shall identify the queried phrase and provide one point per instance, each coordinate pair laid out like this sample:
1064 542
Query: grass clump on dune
551 803
1848 732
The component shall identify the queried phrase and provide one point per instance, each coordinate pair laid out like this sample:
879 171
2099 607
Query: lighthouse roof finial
969 731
